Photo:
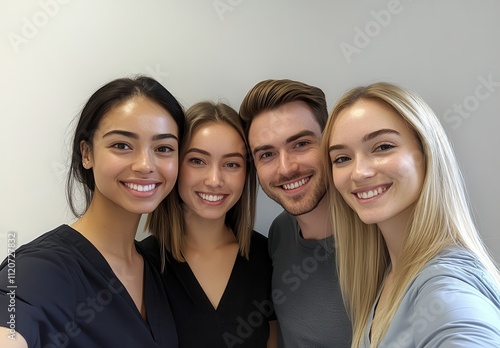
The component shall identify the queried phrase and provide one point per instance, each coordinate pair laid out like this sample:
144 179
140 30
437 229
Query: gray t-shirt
452 302
306 292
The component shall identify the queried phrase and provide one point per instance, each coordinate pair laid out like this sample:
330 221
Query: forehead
139 113
217 136
364 117
275 126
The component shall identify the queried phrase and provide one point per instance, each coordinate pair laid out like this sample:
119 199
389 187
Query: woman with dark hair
88 284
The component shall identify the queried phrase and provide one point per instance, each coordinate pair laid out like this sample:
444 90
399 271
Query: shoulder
258 240
283 221
47 272
151 250
458 266
51 250
454 296
284 226
258 245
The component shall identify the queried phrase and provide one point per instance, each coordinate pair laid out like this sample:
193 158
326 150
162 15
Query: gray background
54 55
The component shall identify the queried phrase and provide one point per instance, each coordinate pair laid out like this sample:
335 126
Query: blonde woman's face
377 163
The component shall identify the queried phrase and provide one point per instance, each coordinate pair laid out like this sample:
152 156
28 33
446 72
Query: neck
316 224
206 234
109 228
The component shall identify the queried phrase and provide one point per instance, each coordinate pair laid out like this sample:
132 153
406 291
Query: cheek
263 173
339 178
238 182
411 167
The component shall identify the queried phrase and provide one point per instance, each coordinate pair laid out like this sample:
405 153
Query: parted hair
240 218
441 217
271 94
102 101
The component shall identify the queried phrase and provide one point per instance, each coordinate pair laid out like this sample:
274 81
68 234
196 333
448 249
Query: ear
87 160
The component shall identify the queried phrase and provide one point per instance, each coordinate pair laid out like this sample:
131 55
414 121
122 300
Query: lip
141 188
292 186
370 193
211 198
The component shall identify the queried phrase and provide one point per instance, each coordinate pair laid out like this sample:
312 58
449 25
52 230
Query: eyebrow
136 136
288 140
206 153
366 138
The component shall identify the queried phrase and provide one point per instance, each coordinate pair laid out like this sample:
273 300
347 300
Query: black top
66 295
241 318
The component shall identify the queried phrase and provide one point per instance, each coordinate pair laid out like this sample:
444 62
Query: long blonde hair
441 217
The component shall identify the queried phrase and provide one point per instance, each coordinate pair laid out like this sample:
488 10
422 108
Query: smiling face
134 155
377 163
285 147
213 171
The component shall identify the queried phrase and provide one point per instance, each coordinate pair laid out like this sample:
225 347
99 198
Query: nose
214 177
363 169
144 162
287 164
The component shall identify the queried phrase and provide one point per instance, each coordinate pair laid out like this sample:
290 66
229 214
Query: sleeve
35 290
452 312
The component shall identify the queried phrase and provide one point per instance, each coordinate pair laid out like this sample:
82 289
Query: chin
369 220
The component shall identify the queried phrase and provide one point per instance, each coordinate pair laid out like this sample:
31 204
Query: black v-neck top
67 295
242 316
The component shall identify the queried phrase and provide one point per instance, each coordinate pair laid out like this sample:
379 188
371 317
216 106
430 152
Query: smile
296 184
211 198
140 188
371 193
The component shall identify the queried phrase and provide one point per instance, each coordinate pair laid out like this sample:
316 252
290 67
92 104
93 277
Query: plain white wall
55 54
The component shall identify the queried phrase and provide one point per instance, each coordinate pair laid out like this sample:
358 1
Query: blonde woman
217 269
412 267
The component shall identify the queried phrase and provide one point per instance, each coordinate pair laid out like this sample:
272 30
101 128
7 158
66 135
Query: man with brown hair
284 120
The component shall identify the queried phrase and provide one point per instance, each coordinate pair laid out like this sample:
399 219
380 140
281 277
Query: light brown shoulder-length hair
441 217
240 218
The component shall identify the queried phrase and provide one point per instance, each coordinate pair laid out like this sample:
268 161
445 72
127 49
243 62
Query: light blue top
453 302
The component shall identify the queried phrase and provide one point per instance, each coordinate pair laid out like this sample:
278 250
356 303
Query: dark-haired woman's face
134 155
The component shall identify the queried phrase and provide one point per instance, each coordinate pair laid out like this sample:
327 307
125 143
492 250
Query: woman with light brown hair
217 268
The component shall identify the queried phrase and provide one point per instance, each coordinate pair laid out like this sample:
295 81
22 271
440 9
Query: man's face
285 146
